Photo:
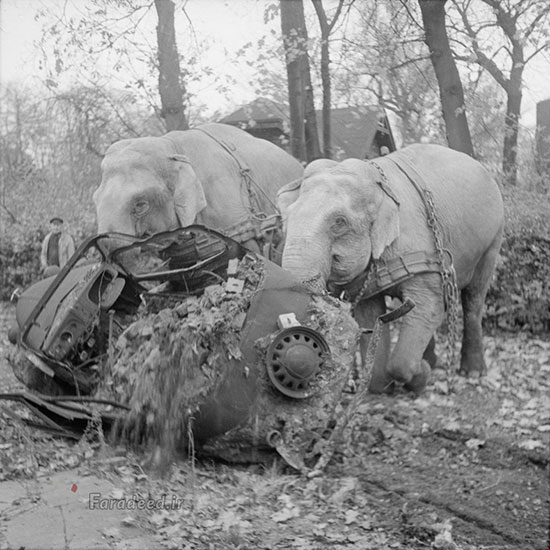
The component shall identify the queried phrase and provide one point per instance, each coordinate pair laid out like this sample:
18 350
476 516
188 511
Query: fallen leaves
532 444
474 443
238 507
289 510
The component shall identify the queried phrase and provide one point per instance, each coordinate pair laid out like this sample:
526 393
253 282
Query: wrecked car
186 340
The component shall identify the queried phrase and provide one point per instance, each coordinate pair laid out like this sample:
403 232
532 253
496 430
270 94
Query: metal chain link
371 267
349 412
448 274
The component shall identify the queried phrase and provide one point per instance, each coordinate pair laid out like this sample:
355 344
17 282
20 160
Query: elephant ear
287 195
189 198
385 228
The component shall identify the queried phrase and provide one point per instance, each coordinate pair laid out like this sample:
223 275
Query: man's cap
56 219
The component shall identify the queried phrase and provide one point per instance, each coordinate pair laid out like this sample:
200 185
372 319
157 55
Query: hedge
519 297
20 262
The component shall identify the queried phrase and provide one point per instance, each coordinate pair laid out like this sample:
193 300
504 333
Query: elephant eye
339 225
140 208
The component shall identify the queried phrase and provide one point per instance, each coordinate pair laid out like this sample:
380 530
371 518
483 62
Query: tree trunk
450 87
303 125
170 87
313 150
511 125
543 141
325 73
327 99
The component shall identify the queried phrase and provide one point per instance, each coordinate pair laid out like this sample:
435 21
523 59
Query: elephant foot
414 378
418 382
473 366
381 382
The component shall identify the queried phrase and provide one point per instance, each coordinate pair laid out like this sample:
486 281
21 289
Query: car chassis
67 325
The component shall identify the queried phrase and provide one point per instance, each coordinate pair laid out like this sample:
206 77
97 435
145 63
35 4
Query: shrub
519 298
20 262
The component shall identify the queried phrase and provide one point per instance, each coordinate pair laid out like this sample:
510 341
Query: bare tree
171 87
326 27
303 123
510 33
105 31
385 61
450 86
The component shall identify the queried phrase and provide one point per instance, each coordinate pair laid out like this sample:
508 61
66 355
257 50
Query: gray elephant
345 217
214 174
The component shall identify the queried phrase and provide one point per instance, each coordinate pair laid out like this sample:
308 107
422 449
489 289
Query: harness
259 225
380 276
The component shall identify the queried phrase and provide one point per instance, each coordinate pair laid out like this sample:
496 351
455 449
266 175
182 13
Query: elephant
214 174
344 218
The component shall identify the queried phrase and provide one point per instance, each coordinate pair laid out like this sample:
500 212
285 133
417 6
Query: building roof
260 111
353 128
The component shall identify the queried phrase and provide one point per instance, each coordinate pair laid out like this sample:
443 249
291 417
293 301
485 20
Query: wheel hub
294 358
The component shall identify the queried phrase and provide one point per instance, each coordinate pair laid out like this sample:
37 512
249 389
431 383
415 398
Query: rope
244 171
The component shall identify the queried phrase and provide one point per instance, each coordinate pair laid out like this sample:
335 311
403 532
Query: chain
381 172
347 414
371 270
371 267
448 276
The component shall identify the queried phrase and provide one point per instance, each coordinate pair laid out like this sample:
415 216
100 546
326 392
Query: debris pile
166 363
298 428
169 366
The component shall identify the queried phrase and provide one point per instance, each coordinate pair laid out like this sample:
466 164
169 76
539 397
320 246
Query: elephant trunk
307 258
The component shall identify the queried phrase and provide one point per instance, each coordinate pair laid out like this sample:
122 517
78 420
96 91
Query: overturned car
187 340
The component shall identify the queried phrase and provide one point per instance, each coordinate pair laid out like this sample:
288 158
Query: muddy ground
464 466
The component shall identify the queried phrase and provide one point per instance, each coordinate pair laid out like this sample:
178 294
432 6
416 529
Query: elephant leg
429 354
473 296
365 314
406 363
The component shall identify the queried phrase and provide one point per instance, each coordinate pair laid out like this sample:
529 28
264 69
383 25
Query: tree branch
545 46
543 13
488 64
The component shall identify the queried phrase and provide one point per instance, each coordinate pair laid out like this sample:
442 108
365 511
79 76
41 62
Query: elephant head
146 188
341 218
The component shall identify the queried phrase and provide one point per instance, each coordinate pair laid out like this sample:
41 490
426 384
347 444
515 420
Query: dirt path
465 466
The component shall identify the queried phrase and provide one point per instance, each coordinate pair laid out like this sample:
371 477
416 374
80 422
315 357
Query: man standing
57 248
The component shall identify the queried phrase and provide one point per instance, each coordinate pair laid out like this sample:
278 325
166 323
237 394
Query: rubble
170 363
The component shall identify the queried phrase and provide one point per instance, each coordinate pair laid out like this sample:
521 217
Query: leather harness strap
251 185
383 182
381 276
259 225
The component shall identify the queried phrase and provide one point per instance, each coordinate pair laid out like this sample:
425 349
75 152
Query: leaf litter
216 496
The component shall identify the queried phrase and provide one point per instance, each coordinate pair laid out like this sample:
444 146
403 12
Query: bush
20 262
519 298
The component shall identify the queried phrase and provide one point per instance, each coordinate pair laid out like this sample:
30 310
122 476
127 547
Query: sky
226 25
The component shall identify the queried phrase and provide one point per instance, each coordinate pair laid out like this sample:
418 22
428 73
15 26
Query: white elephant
345 216
214 174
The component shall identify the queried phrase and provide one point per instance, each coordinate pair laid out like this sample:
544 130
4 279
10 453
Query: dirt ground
464 466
